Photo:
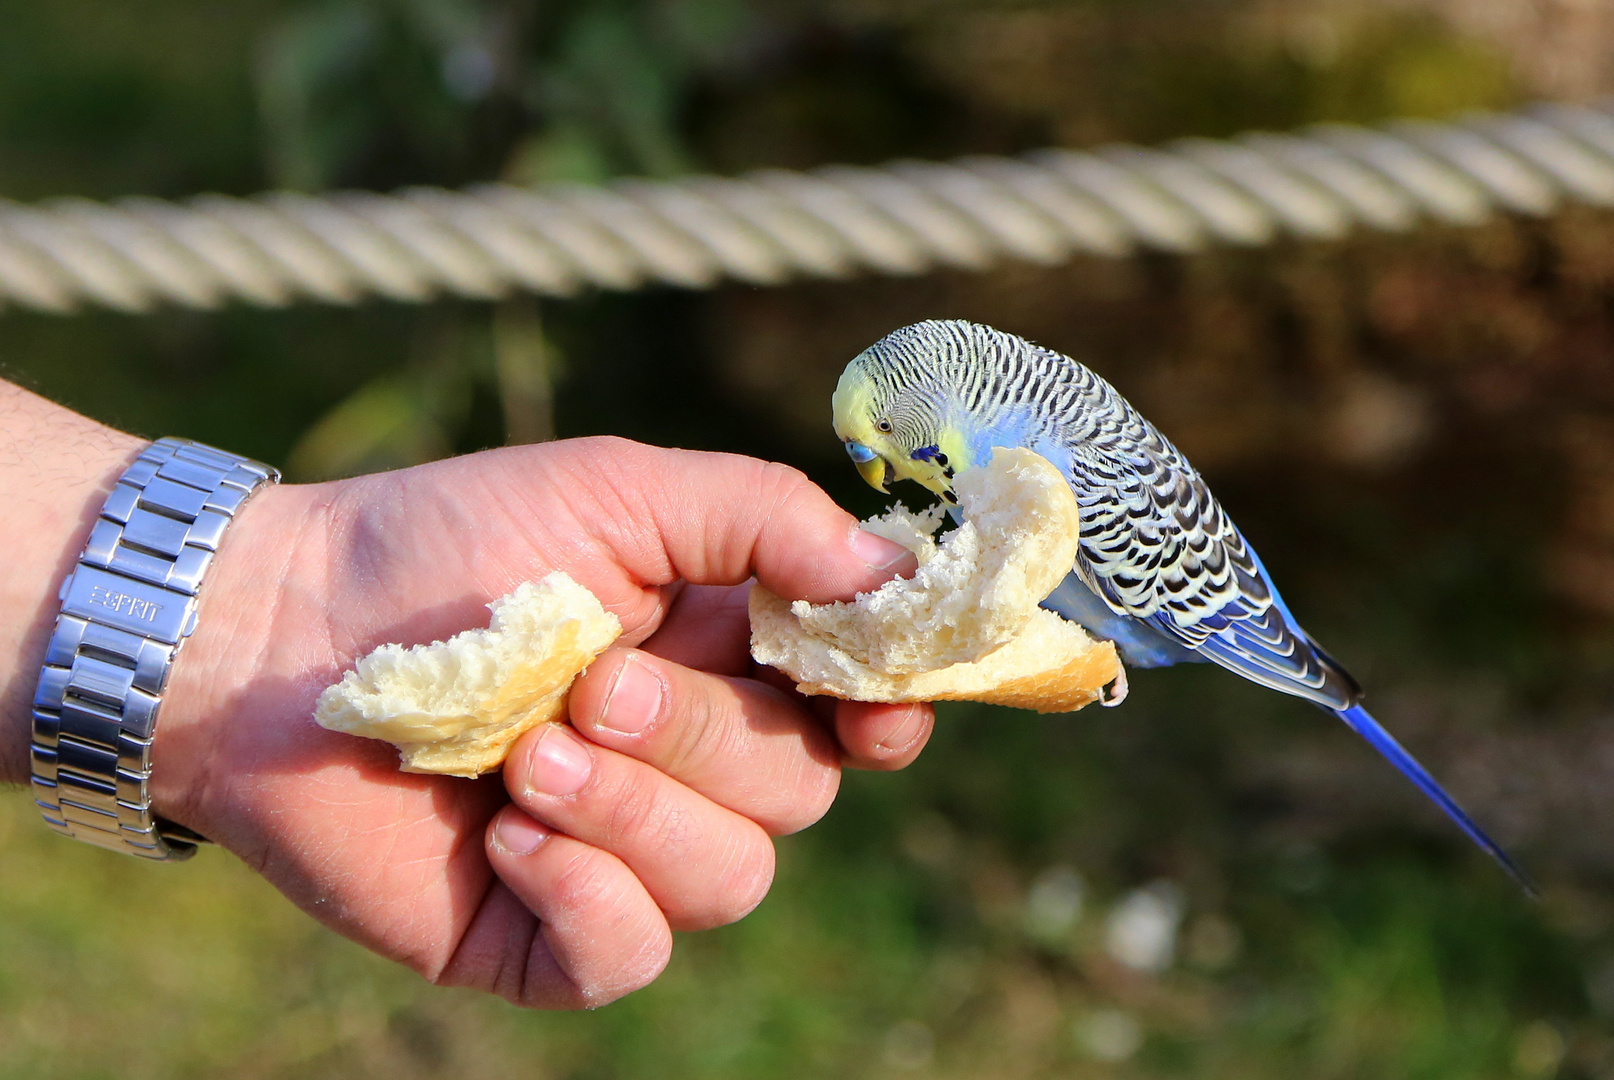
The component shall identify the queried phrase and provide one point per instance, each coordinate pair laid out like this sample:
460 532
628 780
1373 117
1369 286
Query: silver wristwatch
126 608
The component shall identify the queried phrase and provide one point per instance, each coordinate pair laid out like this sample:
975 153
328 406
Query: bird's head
894 412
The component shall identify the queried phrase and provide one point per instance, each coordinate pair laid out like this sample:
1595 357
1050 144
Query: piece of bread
967 625
456 706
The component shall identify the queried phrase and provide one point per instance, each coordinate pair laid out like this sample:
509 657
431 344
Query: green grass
894 943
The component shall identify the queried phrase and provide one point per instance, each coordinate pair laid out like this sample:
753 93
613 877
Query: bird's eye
885 426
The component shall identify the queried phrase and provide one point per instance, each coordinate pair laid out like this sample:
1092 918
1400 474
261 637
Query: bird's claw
1112 695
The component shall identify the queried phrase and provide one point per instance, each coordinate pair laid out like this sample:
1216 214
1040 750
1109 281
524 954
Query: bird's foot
1115 693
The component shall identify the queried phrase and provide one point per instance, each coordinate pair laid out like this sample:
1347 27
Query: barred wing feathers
1157 545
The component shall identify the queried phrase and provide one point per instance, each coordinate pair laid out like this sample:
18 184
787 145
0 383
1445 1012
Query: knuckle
631 973
820 788
739 872
635 951
799 803
637 818
783 485
608 447
600 941
705 711
581 885
746 879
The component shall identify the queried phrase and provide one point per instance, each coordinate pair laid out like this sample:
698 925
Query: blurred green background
1213 881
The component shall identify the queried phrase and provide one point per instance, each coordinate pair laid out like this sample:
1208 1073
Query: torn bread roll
457 706
967 625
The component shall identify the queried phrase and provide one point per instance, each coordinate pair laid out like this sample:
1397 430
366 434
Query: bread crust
1047 669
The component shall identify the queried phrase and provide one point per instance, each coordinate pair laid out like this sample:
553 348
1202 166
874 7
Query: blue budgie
1161 571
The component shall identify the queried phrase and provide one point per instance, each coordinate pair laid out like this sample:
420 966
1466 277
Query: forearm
56 468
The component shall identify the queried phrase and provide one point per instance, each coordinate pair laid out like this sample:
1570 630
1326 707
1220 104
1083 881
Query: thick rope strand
774 226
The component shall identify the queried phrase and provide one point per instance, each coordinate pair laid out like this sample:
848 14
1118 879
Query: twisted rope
771 226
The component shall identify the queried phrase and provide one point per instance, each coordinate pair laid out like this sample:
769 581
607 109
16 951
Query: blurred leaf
302 67
566 153
355 88
350 86
609 76
388 424
1405 64
607 71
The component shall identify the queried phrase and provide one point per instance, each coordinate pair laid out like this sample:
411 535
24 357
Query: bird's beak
874 469
877 473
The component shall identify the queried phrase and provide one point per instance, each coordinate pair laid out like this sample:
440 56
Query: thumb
718 519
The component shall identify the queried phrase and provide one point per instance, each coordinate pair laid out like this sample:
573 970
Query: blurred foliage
445 91
1417 432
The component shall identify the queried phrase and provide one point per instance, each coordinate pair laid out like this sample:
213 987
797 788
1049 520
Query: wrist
54 476
236 679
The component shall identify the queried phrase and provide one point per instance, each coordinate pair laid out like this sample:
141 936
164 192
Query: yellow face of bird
877 440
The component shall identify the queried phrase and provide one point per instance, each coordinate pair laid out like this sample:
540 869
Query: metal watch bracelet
126 608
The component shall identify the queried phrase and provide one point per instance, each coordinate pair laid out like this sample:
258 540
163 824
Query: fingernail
559 764
634 700
903 738
877 551
519 834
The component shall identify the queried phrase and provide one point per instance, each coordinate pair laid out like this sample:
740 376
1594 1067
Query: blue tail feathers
1382 741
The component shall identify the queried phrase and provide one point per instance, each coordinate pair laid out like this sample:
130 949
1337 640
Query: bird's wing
1157 546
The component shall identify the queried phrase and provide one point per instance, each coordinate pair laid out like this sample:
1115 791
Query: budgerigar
1161 570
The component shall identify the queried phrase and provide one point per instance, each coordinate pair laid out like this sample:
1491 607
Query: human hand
556 884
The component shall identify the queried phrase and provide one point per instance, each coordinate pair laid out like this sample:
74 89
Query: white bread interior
966 625
456 706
